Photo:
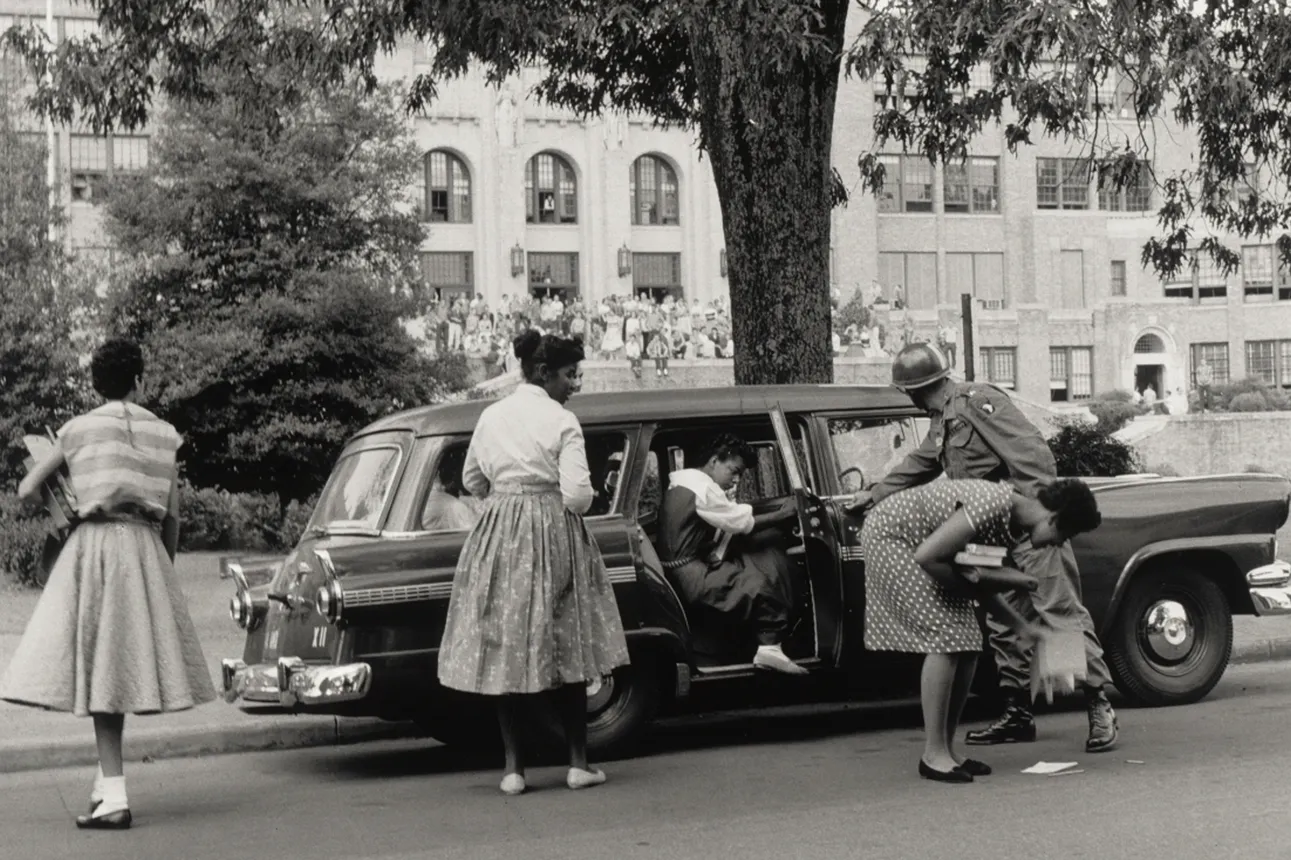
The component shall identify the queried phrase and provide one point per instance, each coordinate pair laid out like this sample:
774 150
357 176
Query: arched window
1149 343
654 191
448 188
550 190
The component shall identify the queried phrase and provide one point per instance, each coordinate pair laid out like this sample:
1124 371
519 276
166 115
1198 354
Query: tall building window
907 184
1136 196
1062 183
981 275
553 274
448 272
999 365
94 160
1114 97
1118 278
909 279
653 190
448 188
1264 276
1071 373
1262 360
88 161
551 191
1214 355
973 186
1199 276
659 275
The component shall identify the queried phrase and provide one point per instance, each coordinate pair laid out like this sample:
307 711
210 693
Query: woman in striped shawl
111 634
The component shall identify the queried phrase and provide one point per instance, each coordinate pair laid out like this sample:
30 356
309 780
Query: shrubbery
1251 394
1090 451
22 539
1115 409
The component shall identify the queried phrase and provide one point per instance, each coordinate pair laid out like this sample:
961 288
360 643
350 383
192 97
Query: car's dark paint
1228 522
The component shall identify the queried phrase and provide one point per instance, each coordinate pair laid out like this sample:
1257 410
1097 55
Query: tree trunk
769 132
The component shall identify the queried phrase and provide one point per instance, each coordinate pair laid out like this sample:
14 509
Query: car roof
661 404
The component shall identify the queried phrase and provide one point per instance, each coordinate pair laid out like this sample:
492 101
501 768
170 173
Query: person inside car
719 554
444 509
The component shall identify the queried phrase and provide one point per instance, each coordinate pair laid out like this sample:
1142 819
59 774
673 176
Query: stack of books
981 555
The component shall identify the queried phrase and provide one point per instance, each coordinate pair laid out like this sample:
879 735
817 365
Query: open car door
820 544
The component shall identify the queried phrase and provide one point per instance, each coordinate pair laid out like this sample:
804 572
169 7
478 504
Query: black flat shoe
973 767
119 820
954 775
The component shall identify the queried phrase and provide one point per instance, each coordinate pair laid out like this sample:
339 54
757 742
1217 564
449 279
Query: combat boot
1103 727
1016 726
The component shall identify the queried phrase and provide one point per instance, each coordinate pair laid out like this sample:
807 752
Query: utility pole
970 349
51 179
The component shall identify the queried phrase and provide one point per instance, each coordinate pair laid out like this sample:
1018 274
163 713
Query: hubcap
1168 631
599 694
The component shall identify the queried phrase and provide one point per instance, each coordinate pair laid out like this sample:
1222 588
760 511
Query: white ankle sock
114 796
96 794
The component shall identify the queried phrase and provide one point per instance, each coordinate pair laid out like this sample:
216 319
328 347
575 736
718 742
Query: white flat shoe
579 778
776 660
513 784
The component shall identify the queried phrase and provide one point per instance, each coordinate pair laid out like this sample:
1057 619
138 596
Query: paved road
825 783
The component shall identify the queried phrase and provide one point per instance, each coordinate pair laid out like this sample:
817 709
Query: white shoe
579 778
513 783
773 658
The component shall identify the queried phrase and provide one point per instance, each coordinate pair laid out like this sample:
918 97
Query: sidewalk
32 739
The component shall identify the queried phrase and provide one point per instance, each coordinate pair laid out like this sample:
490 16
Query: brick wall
1221 443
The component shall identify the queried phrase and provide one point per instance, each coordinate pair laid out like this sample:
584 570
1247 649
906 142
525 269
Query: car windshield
357 492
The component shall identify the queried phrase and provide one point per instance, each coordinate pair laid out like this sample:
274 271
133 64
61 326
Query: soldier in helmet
978 432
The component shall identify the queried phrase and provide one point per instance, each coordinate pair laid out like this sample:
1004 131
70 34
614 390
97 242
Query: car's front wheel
1172 637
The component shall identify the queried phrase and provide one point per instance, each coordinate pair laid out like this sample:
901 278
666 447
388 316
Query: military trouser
1056 603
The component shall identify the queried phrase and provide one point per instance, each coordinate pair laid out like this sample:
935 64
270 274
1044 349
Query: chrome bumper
293 681
1270 587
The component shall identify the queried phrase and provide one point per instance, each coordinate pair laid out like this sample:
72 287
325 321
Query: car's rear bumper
1270 587
293 682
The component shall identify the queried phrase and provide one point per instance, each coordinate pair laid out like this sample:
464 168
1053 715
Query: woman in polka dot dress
917 600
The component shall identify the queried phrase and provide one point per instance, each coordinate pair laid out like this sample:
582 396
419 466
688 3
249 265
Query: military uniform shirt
981 434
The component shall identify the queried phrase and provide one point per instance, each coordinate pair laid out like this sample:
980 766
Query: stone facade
1051 279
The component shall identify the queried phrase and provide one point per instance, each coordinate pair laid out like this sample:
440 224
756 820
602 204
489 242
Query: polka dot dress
905 608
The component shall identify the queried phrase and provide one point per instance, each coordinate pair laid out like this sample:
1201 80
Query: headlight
329 601
240 609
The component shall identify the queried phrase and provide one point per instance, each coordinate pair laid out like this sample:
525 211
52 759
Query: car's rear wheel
1172 637
618 710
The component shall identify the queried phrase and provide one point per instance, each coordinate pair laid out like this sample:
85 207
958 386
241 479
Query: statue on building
507 118
613 130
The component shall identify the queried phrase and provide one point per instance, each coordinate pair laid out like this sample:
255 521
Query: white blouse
529 438
712 504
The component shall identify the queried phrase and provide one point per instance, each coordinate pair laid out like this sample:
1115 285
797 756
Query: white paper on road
1047 767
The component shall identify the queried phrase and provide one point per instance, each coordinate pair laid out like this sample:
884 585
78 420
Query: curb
1262 651
293 732
276 733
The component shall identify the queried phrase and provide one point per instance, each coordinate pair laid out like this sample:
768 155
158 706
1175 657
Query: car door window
449 507
866 449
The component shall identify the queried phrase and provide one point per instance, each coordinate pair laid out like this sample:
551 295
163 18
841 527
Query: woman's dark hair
1074 503
728 446
535 349
115 367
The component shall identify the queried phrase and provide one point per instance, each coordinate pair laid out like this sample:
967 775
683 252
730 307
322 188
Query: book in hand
56 492
981 555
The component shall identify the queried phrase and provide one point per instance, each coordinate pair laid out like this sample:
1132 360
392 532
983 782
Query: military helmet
917 365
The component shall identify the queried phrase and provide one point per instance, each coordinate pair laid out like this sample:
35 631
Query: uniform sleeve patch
986 406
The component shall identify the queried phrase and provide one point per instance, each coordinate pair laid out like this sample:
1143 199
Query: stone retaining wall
1218 443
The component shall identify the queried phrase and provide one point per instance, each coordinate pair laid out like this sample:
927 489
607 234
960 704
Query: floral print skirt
532 607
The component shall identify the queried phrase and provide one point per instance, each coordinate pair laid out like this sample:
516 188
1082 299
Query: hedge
211 519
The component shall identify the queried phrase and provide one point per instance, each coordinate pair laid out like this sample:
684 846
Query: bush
1251 394
1084 451
1115 409
215 519
22 540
